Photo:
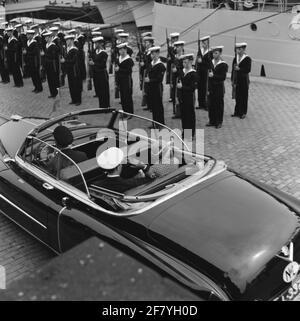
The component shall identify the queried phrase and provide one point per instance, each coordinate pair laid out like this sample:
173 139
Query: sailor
145 66
22 39
13 58
188 84
123 36
52 64
32 52
3 58
79 43
241 66
73 71
216 89
174 36
154 79
176 73
203 64
100 74
91 50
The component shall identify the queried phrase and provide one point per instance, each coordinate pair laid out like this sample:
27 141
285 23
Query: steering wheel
43 152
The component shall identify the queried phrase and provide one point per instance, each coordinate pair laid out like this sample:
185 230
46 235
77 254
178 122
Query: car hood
231 224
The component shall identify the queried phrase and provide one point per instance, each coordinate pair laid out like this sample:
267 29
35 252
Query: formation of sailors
45 52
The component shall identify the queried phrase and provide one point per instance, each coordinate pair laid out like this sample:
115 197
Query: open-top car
220 234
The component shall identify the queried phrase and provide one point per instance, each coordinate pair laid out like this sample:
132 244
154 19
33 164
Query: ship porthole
253 27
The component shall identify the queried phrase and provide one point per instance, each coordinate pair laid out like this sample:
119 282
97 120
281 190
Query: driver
111 161
64 138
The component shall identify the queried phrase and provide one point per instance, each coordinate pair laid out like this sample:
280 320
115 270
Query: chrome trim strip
58 227
19 209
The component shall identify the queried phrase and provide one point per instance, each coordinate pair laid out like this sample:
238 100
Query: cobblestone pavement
265 145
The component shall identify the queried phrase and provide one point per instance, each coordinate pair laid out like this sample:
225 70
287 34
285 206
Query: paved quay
265 146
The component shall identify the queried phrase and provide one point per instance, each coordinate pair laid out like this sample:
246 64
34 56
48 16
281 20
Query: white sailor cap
56 23
96 39
119 30
71 31
146 34
122 45
217 48
79 27
155 48
123 35
19 25
248 4
69 37
148 38
204 38
96 33
96 29
174 34
47 34
31 32
240 44
189 56
14 20
54 29
110 158
28 21
9 29
34 26
179 43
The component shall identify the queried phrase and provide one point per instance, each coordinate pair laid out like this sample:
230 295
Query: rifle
62 75
90 51
199 46
112 54
176 102
234 72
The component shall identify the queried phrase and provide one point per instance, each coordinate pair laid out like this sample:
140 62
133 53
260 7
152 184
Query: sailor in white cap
241 67
13 57
154 79
111 160
176 73
203 64
98 62
72 69
52 64
124 36
216 78
123 69
3 49
187 85
33 61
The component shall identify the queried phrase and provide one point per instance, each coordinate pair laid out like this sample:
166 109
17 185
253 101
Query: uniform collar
157 62
123 59
219 62
70 48
98 51
11 38
242 58
204 52
30 41
187 72
50 44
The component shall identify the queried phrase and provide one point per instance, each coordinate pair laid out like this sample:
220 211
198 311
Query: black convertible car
220 234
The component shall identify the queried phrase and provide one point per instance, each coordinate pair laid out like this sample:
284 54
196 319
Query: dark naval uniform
176 92
52 67
155 90
124 75
170 58
13 60
100 76
74 76
189 84
216 91
242 85
202 72
79 43
147 65
3 61
33 62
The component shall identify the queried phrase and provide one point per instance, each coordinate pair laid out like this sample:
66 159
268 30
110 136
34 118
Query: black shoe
176 117
243 117
95 96
71 103
19 86
5 82
233 115
34 90
77 104
38 91
209 125
146 108
51 96
219 126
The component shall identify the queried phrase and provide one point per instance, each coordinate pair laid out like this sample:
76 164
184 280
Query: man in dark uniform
170 57
154 80
79 42
73 71
124 75
188 84
203 64
216 89
241 66
13 58
124 36
52 64
3 59
22 40
100 75
33 61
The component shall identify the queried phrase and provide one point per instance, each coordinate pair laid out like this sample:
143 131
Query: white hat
69 37
54 29
34 26
123 34
189 56
71 31
248 4
14 20
96 39
110 158
56 23
179 43
241 44
19 25
28 21
122 45
146 34
148 38
204 38
31 32
47 34
96 33
155 48
119 30
219 48
79 26
174 34
96 29
9 29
